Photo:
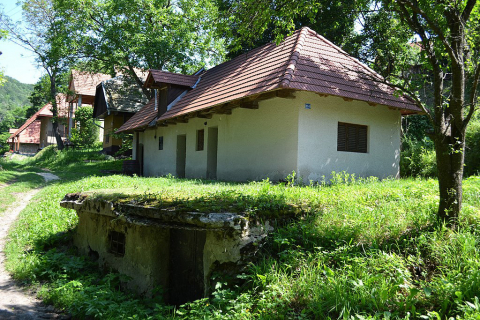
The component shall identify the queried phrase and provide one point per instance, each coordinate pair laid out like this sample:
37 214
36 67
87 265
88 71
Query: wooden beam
373 104
347 99
265 96
205 115
286 94
181 119
249 105
323 95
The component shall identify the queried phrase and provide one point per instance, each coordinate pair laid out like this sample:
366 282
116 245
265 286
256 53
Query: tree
127 35
272 20
45 35
86 132
450 43
40 95
449 49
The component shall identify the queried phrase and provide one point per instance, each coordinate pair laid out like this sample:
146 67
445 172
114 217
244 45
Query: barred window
117 243
352 137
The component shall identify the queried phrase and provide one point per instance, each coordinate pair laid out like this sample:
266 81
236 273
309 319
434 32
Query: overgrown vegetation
418 151
365 248
85 134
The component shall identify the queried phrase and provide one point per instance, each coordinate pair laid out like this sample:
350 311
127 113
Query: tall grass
357 249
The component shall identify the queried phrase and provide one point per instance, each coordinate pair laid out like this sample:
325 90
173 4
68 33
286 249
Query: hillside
14 94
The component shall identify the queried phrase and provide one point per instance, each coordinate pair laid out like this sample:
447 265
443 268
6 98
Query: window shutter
352 137
342 137
362 139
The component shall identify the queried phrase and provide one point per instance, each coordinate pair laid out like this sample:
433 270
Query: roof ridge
287 76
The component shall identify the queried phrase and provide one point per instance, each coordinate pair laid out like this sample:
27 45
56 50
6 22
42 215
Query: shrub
86 134
472 150
418 158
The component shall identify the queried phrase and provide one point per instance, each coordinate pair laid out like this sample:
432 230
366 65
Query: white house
304 106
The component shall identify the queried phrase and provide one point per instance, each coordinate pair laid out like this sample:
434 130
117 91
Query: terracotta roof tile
158 76
304 61
85 83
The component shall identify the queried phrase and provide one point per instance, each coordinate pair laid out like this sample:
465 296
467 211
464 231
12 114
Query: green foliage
254 23
86 132
127 140
472 152
128 34
13 104
14 93
40 95
418 158
4 146
365 249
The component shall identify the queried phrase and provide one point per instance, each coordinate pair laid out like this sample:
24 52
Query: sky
16 61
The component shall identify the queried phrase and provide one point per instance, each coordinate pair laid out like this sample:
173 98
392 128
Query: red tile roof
30 125
304 61
157 76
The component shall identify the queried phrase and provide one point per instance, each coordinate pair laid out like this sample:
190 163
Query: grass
359 248
13 183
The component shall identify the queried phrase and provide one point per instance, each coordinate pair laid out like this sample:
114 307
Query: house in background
37 132
304 105
116 101
81 88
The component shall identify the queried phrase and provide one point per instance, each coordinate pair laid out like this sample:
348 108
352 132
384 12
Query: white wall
252 144
317 151
279 137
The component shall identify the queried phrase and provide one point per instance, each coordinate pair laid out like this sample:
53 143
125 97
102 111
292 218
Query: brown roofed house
304 105
116 101
82 88
37 132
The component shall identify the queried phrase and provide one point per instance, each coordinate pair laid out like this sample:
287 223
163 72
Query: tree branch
432 25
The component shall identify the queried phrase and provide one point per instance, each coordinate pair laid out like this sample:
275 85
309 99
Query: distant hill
13 104
14 94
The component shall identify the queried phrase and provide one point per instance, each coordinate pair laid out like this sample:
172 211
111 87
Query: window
200 139
352 137
117 243
160 143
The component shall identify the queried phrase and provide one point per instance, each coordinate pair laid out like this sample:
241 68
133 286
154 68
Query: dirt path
16 303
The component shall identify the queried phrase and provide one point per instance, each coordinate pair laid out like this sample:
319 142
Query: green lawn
358 248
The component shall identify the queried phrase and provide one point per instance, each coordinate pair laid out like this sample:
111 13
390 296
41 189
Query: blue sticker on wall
307 106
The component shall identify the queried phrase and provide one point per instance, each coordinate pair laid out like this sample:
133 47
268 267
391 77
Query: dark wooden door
186 265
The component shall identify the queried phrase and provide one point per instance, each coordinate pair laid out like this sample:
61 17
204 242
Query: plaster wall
111 123
146 257
252 144
46 132
281 136
317 144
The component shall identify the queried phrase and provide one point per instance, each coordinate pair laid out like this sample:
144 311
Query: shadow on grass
306 234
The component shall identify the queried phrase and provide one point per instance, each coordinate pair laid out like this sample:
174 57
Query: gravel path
15 302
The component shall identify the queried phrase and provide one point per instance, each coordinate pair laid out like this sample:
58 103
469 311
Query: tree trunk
450 173
53 93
